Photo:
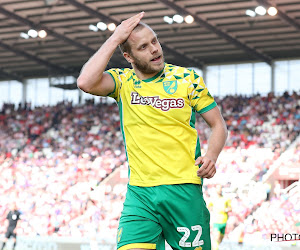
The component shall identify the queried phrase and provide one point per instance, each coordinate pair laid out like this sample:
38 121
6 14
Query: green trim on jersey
198 146
192 124
114 82
158 120
154 77
209 107
120 105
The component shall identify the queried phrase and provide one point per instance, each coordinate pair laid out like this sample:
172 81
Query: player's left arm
216 143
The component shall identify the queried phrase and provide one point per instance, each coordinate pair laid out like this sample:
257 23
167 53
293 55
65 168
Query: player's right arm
92 78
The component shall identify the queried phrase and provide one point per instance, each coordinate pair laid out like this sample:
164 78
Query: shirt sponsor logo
156 102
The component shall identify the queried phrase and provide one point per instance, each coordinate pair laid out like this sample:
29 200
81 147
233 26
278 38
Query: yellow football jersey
157 123
219 206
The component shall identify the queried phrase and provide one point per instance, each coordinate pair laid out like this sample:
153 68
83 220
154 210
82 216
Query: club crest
170 86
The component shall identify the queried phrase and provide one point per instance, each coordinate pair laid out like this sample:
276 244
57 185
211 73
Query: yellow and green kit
157 118
219 207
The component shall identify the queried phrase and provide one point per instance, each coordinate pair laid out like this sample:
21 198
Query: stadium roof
221 33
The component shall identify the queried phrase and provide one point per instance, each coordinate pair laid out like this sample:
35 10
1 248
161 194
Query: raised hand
123 30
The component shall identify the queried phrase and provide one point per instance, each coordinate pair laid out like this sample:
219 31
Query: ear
127 57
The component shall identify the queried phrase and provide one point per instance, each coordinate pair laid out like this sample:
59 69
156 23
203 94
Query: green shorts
175 213
220 227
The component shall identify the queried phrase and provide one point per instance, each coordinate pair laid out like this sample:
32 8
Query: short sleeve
199 96
116 75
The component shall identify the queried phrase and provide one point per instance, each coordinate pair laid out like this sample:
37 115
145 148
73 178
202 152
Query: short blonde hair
125 46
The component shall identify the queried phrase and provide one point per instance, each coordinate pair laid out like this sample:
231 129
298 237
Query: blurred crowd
279 215
55 161
260 129
51 160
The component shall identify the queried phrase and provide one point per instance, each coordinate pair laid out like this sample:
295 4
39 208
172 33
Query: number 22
197 242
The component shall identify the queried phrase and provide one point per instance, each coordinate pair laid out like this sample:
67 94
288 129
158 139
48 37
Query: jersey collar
154 77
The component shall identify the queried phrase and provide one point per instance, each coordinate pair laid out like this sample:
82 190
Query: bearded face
146 54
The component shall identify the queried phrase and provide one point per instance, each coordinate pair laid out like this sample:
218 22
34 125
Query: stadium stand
57 163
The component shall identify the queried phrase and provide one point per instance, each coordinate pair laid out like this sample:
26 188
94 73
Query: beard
147 68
